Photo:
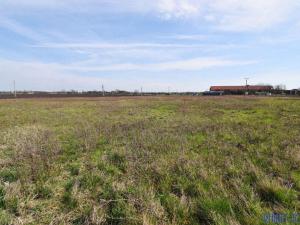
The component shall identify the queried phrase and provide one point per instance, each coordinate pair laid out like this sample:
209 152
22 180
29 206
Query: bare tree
280 87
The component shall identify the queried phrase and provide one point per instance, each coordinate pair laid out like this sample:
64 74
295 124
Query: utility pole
15 93
247 81
141 91
247 86
103 91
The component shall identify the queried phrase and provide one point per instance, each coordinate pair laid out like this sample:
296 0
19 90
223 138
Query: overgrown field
148 160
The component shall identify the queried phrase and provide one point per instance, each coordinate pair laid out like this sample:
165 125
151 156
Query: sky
159 45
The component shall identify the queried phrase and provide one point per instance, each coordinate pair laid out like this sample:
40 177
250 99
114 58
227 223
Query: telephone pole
15 92
247 86
247 81
103 91
141 91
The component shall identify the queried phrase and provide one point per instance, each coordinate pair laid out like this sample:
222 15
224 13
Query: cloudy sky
181 45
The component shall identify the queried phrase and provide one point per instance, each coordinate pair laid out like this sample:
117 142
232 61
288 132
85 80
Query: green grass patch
148 160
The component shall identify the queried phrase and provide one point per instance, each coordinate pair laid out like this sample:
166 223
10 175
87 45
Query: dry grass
156 160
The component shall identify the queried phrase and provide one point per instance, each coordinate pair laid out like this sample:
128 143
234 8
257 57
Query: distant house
242 89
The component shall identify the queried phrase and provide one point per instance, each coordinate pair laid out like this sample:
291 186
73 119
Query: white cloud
104 53
20 29
233 15
136 46
113 45
178 8
84 6
187 37
182 65
192 37
251 14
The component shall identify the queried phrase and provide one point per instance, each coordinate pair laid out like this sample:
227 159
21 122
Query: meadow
148 160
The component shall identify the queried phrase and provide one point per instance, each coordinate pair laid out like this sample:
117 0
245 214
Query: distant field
149 160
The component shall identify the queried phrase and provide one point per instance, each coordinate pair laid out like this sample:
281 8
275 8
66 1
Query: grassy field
148 160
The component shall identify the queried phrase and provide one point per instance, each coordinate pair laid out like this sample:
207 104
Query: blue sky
181 45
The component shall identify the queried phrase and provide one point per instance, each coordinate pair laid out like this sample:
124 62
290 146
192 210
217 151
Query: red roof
242 88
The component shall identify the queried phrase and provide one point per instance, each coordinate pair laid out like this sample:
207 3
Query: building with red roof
242 89
249 88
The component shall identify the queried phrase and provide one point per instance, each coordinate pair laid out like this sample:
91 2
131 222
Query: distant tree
264 84
280 87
